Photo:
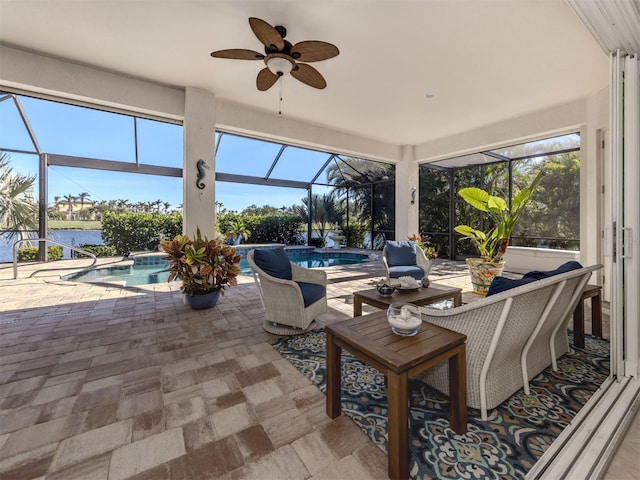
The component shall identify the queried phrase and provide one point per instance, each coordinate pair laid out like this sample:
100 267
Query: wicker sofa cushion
311 292
501 284
400 253
274 262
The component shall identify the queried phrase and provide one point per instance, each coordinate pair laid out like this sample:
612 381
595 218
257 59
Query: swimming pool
151 269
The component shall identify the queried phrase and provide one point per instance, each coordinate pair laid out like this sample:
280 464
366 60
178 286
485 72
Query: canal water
70 237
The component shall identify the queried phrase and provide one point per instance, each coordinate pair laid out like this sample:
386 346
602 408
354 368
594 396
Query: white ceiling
486 60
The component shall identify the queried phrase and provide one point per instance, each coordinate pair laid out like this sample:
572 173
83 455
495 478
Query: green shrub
128 232
30 254
274 229
355 233
225 221
263 228
97 250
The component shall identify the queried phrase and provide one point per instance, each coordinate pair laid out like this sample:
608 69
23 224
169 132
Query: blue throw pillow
564 268
274 262
502 284
400 253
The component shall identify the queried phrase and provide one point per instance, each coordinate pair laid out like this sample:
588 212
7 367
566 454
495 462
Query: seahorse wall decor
201 165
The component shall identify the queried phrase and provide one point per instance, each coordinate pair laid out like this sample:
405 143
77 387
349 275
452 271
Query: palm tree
69 199
18 207
121 205
324 212
82 196
371 187
100 207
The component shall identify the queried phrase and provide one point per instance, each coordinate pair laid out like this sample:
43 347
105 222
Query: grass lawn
76 224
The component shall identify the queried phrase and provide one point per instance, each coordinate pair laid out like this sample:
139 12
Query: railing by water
70 247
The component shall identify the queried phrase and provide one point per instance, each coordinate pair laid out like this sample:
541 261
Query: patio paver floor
104 382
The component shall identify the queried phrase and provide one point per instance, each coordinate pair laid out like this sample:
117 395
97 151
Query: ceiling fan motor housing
279 63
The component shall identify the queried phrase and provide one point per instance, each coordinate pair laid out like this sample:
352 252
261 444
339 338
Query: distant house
77 211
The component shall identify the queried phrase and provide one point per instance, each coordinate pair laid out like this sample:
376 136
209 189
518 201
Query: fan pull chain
280 96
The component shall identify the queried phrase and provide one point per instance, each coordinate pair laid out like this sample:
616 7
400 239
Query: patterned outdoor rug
506 446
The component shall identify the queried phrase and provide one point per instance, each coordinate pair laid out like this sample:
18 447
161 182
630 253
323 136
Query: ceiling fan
282 57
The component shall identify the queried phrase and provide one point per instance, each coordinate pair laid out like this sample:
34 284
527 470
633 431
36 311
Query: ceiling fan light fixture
279 64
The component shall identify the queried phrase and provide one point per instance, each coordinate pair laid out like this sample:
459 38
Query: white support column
590 199
406 181
199 144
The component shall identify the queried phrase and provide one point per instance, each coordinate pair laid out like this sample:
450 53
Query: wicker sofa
511 336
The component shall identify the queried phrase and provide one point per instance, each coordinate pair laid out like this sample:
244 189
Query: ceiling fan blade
238 54
313 51
308 75
266 79
268 35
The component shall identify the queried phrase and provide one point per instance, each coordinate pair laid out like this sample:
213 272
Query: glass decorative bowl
404 318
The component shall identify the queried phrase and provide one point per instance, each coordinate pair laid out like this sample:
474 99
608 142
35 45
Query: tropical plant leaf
475 197
467 231
496 204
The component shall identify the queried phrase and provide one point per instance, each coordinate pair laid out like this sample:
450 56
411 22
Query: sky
70 130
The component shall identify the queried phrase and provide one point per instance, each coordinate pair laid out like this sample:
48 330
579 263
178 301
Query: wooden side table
370 338
594 292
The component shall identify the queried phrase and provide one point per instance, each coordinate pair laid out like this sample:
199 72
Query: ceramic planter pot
203 301
482 273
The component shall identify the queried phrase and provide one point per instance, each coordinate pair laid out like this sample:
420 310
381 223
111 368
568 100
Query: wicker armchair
404 258
292 303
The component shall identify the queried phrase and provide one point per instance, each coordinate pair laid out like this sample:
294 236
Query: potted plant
429 251
423 244
492 245
204 266
237 232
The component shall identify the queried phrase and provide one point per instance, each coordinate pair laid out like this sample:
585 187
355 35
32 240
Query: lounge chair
405 259
292 296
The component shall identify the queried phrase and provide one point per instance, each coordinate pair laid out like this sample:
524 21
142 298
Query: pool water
142 272
317 260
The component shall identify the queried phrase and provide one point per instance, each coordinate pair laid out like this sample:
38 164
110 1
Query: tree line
81 207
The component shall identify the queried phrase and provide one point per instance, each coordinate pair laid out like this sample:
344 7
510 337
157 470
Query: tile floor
101 382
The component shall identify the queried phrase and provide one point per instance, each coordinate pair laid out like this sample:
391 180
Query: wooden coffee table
370 338
423 296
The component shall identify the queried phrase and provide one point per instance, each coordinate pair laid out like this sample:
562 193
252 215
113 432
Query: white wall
525 259
40 74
